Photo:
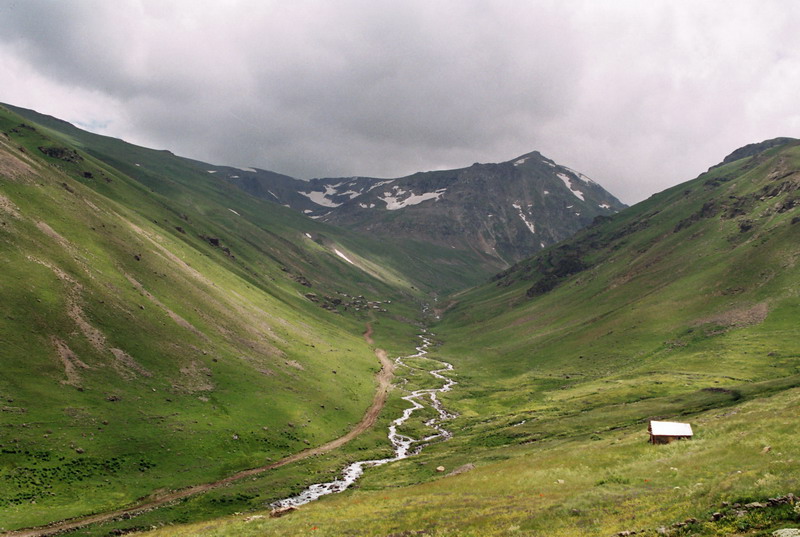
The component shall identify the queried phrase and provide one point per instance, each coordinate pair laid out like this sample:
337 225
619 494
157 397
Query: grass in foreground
610 483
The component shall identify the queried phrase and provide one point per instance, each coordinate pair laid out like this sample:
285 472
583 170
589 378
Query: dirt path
384 378
368 336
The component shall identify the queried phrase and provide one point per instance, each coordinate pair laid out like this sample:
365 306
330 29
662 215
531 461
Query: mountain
685 308
410 263
500 213
448 229
754 149
160 328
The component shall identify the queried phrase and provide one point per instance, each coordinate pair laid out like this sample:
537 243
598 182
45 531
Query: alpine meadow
187 346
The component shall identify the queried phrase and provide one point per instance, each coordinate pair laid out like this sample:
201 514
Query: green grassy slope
155 331
684 307
669 283
189 184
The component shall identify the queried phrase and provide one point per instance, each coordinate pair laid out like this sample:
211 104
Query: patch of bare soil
53 234
95 337
368 335
8 207
126 366
94 207
295 364
180 321
737 317
195 377
11 166
70 361
74 308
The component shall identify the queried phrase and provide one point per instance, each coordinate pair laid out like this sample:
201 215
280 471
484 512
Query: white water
404 446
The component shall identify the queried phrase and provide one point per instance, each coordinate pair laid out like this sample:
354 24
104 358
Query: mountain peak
750 150
501 212
533 155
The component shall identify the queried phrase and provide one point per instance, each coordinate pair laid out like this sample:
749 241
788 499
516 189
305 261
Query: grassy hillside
193 186
684 307
161 330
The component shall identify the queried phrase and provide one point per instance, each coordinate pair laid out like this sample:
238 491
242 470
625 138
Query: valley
173 339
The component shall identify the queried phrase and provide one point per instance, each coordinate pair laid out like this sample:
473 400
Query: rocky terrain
501 213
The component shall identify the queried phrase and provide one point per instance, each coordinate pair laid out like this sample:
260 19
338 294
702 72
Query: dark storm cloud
637 95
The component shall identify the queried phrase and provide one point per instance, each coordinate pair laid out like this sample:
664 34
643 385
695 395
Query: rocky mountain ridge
502 212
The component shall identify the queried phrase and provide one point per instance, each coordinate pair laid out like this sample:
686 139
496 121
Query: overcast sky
639 95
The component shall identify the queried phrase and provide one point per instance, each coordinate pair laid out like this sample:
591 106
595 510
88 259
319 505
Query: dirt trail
384 378
368 335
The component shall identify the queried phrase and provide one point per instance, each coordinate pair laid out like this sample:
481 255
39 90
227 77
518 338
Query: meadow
162 329
683 308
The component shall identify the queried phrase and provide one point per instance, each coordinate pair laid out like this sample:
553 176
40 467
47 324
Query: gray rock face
504 212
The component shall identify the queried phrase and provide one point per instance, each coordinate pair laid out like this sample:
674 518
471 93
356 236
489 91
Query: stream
404 446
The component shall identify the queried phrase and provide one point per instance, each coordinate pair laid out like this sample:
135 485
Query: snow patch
380 183
251 170
579 175
397 191
351 193
307 211
340 254
209 171
321 198
234 212
604 206
528 223
521 161
273 194
546 192
393 202
309 235
568 184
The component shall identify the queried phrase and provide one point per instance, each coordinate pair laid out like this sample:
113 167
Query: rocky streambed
404 446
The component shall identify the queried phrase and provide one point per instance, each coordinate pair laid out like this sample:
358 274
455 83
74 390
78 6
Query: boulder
281 511
461 469
787 532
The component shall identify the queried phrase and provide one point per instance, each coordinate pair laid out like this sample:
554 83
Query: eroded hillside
157 336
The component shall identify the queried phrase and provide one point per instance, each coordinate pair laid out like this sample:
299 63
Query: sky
637 95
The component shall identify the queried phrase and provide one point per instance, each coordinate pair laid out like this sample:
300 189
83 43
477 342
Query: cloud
637 95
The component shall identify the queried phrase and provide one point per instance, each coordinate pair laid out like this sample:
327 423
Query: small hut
664 432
